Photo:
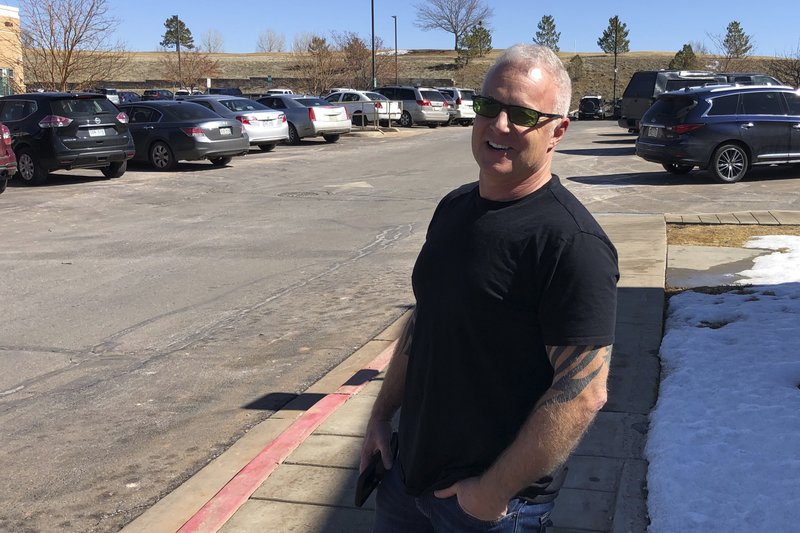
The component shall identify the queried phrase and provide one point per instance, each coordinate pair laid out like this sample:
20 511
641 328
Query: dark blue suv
725 129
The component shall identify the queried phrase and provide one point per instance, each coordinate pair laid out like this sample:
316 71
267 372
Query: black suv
592 106
53 131
725 129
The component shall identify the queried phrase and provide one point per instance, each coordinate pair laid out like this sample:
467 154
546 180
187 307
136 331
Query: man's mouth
495 146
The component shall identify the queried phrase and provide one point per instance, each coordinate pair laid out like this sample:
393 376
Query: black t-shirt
495 282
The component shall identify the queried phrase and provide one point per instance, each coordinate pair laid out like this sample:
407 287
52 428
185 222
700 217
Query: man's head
513 154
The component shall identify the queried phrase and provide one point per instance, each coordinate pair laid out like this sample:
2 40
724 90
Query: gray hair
528 56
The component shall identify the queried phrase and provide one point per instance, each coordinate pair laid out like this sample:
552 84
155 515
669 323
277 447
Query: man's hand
377 437
474 500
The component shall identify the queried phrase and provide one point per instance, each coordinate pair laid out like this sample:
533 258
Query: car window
406 94
467 95
243 104
671 108
313 102
432 95
724 105
448 92
642 84
375 96
190 111
350 97
333 97
17 109
204 103
82 106
761 104
674 85
142 114
793 100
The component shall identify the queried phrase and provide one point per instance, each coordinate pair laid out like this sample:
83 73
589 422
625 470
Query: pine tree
547 34
737 43
177 34
615 37
684 59
476 43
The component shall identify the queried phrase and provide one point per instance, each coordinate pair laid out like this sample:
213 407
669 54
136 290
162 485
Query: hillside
424 67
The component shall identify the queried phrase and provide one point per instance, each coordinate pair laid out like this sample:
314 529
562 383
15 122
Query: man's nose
501 122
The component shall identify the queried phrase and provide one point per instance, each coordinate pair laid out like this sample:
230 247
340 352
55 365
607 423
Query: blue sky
772 24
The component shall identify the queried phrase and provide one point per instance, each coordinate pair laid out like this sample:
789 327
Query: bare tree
66 43
699 48
270 41
452 16
212 42
318 65
355 61
195 67
786 67
302 41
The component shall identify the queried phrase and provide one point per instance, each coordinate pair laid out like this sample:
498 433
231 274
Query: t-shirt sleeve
579 303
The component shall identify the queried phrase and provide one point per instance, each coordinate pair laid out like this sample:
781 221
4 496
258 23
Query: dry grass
729 235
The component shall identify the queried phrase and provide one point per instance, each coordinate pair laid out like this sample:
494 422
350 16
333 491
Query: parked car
750 78
646 85
310 116
128 96
180 93
592 106
725 129
264 126
279 91
8 161
464 114
110 93
451 108
157 94
421 105
168 131
229 91
52 131
366 107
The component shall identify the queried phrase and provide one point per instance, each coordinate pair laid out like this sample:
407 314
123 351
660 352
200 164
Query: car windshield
313 102
243 104
190 111
671 108
82 106
467 95
375 96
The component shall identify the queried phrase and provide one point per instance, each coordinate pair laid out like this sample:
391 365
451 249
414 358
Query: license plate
652 131
97 132
224 131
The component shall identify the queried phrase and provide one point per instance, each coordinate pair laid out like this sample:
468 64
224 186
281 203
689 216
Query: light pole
372 6
396 78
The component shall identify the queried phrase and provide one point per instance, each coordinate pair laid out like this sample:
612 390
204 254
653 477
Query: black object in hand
372 474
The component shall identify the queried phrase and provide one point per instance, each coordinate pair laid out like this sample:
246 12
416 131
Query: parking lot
152 319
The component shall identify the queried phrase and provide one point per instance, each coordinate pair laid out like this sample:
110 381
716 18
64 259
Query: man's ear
559 131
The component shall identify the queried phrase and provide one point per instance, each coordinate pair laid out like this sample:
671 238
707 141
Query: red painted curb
217 511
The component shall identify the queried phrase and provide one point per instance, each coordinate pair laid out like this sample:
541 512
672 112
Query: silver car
366 107
310 116
421 105
265 127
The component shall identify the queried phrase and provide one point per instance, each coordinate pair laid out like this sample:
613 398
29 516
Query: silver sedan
266 127
310 116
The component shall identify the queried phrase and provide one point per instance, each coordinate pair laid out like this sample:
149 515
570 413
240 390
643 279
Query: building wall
11 74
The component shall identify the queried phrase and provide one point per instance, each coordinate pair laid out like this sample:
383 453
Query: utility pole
374 80
178 49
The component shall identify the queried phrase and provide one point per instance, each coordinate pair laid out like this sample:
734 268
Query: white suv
465 115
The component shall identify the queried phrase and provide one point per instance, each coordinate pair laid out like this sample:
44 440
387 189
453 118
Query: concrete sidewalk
297 470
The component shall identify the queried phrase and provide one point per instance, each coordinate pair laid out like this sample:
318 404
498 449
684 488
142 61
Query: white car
266 127
366 107
462 98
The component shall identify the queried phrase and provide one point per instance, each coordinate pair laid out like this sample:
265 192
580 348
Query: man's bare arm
390 397
551 432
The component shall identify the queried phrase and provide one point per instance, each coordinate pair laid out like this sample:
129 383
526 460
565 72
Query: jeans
397 512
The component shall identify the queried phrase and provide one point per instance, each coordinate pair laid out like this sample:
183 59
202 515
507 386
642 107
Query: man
503 365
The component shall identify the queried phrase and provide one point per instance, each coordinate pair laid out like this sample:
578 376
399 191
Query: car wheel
676 168
220 161
29 169
115 170
466 123
729 163
405 120
161 156
433 125
359 119
294 138
266 147
331 138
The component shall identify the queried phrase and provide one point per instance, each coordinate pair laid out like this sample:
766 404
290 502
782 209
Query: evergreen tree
737 43
477 42
547 34
615 37
575 67
176 34
684 59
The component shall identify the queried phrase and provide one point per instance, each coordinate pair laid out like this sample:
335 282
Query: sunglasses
521 116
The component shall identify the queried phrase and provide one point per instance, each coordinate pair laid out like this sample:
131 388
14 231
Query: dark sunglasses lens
485 107
522 116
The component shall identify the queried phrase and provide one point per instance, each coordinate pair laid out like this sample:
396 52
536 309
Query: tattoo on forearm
574 368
